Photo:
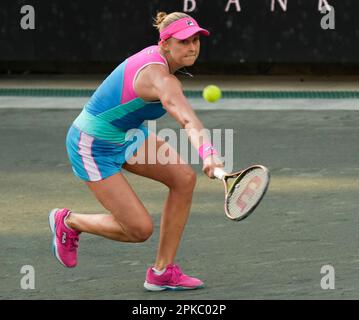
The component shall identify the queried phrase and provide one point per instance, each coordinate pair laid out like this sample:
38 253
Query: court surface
308 219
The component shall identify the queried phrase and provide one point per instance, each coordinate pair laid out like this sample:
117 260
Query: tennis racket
245 192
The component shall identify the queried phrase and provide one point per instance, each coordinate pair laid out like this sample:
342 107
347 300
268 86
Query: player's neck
172 65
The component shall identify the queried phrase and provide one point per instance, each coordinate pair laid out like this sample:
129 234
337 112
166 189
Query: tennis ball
212 93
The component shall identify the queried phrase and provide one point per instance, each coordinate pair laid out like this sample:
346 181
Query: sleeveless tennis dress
110 127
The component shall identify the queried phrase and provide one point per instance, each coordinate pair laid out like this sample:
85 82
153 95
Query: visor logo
190 23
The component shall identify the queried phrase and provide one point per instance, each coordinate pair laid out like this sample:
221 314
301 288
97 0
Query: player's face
185 52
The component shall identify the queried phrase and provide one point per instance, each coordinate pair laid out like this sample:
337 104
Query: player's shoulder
155 72
153 61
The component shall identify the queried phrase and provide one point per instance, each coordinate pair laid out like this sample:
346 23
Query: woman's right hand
210 163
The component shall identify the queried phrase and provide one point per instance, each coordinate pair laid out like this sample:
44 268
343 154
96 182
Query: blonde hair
163 19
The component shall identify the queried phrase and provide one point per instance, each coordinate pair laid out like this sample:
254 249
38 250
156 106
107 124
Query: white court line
278 104
197 103
42 102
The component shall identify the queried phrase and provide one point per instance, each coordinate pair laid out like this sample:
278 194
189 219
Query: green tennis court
308 219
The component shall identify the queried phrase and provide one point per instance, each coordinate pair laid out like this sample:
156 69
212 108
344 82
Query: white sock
158 272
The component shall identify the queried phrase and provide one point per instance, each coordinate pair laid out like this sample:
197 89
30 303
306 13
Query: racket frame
220 174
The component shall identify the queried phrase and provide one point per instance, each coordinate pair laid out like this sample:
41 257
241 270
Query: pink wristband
206 150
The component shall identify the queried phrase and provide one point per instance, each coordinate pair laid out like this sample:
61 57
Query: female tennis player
109 133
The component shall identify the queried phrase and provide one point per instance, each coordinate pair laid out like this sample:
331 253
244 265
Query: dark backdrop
90 36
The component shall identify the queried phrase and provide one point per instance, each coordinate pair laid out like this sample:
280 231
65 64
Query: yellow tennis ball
212 93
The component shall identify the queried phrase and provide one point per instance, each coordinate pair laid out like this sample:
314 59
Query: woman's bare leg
181 180
128 220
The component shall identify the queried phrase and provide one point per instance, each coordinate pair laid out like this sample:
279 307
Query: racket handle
219 173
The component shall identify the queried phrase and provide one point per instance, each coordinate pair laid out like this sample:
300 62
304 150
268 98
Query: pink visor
182 29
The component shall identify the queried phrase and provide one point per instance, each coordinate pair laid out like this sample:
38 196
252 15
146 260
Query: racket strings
246 191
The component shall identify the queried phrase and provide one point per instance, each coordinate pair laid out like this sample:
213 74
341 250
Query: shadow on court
308 219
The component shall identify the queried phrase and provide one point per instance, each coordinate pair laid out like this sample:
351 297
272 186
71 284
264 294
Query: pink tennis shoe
172 279
65 240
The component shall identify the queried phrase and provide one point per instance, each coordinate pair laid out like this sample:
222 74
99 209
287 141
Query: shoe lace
73 242
176 273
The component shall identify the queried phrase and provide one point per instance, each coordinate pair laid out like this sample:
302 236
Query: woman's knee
185 179
137 229
141 232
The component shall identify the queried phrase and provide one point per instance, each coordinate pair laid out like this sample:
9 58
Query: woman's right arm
157 83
